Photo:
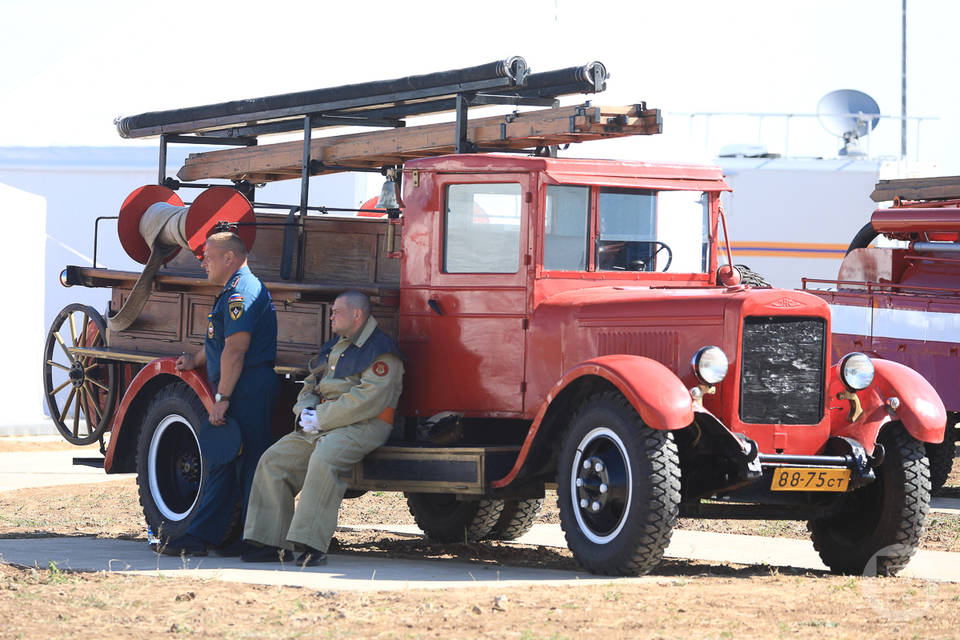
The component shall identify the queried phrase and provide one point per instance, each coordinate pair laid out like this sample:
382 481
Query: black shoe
184 545
268 554
311 558
235 549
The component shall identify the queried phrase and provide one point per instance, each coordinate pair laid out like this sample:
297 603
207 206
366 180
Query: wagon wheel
76 384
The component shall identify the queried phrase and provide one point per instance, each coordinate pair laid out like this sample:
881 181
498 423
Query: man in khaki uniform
344 411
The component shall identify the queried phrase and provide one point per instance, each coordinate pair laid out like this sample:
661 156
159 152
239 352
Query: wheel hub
593 485
77 376
188 466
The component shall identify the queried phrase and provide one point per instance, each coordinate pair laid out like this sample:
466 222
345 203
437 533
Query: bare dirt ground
709 600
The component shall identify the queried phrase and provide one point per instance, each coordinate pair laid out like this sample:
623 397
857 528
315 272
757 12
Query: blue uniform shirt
244 304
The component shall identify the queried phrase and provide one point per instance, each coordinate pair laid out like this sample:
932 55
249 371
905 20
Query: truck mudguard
652 389
160 366
655 391
920 409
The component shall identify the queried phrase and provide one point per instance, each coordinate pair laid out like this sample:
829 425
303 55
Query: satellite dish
848 114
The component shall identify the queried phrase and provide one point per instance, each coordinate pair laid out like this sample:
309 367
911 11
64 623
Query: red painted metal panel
915 219
637 182
921 411
594 171
463 333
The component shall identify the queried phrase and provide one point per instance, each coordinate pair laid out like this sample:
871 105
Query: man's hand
308 420
218 412
184 362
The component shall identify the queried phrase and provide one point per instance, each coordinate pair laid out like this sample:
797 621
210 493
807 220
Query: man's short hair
230 242
356 300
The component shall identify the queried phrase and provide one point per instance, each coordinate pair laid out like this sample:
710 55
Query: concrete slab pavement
344 572
945 505
355 572
22 469
741 549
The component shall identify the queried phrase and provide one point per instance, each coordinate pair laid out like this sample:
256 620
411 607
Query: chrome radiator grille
782 370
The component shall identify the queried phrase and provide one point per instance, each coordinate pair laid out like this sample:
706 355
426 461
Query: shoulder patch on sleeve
381 368
236 310
236 297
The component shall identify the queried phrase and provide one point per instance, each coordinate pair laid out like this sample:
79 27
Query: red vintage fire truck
902 303
567 323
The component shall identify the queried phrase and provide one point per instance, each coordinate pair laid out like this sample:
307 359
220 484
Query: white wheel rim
158 499
588 439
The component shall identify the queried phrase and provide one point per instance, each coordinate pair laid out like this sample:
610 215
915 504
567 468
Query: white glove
308 420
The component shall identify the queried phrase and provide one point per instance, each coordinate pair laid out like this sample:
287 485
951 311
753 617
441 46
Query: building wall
790 219
23 217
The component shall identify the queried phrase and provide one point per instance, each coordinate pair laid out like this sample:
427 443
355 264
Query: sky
71 67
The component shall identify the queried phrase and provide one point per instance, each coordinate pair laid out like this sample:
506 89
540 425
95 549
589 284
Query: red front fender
654 391
921 411
161 366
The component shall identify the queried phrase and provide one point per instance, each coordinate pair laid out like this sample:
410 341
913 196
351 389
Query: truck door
478 294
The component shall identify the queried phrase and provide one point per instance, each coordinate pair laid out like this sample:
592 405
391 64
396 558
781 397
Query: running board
464 470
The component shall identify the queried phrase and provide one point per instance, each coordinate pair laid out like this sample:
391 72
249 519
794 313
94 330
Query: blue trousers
251 405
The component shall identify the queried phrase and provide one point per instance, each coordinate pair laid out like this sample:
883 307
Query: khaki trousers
309 464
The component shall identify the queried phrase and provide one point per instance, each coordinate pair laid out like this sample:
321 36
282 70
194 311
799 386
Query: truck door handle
435 306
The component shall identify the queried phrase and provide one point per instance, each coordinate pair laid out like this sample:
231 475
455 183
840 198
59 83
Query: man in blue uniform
239 355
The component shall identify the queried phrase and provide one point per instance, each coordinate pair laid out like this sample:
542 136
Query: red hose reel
213 206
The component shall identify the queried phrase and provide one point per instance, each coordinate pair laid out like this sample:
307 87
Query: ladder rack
373 150
387 103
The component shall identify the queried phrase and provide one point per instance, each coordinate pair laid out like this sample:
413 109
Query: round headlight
710 365
856 371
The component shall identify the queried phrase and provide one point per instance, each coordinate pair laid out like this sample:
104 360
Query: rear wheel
444 518
618 488
878 527
80 390
169 466
516 518
941 458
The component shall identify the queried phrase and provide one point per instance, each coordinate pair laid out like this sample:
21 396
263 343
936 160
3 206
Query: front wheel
618 488
169 466
880 523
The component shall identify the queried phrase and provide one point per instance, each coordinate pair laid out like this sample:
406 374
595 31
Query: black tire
516 518
877 528
169 466
941 458
618 517
444 518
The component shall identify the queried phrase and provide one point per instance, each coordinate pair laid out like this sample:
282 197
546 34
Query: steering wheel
641 265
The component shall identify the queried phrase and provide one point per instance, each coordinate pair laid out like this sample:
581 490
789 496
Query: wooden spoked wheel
81 391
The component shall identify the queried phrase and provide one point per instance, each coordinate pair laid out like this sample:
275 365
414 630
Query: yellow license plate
810 479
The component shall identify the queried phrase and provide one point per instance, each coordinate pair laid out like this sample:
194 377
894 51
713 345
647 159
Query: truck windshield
636 230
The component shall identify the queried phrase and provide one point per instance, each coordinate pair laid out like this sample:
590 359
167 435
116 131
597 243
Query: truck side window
482 228
566 235
627 237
